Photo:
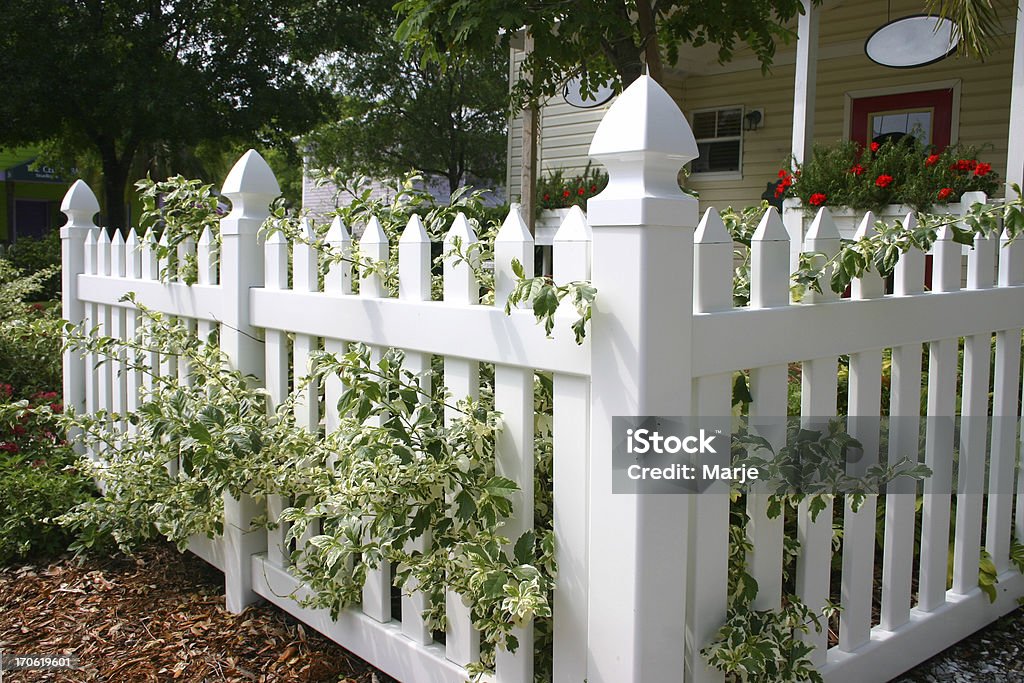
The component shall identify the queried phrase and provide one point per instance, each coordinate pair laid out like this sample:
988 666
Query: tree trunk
649 38
115 179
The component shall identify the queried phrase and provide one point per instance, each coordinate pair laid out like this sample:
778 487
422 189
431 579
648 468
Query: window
31 218
719 135
925 114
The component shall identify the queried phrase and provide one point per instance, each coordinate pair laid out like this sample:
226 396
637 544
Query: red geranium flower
817 199
945 192
931 160
9 447
566 193
874 146
57 407
547 197
581 191
982 169
783 173
883 180
856 169
6 390
964 165
593 189
19 430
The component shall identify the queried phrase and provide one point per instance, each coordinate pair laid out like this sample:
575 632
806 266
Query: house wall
842 68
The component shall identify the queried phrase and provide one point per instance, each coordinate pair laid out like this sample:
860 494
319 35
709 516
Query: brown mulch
158 616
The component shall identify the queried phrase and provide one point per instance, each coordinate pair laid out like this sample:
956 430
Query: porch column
1015 139
803 114
804 81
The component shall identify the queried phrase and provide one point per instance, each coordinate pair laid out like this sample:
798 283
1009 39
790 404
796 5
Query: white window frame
720 175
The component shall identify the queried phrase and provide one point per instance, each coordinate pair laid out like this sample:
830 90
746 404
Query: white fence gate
641 585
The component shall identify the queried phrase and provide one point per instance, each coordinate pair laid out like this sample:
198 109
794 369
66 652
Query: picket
641 587
864 401
769 288
570 434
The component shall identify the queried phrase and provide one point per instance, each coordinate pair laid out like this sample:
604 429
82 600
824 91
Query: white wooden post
904 433
1015 137
865 391
641 328
414 285
769 288
513 398
79 205
939 436
570 432
461 379
818 394
251 187
1005 399
804 82
706 598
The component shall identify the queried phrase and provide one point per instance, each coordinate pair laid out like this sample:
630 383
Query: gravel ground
993 655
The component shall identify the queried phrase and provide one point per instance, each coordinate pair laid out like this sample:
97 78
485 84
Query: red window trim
940 100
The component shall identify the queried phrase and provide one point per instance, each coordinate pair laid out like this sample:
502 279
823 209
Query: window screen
719 135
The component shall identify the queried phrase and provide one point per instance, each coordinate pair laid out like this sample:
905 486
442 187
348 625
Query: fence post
643 227
251 187
79 205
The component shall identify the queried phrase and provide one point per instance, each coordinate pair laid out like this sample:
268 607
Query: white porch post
643 228
804 81
1015 139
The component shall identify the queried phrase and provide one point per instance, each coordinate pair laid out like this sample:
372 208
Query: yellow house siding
982 119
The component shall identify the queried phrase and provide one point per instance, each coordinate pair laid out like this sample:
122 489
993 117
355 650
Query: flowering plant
556 191
894 172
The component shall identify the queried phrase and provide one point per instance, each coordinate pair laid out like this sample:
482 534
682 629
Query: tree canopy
108 79
597 40
398 112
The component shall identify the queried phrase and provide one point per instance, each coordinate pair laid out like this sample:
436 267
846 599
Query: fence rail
641 584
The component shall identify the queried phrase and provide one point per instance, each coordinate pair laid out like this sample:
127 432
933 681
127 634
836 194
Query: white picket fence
641 579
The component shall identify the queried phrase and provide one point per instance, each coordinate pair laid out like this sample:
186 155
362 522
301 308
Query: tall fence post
251 187
79 205
643 227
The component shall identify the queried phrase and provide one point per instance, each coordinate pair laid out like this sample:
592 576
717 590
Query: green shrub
30 357
38 480
33 255
37 476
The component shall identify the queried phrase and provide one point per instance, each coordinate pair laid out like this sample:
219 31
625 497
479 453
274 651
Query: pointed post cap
711 229
643 140
250 186
338 233
79 205
514 229
373 233
771 228
414 232
867 227
574 227
644 119
822 227
461 229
